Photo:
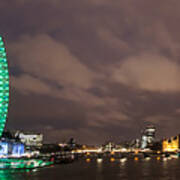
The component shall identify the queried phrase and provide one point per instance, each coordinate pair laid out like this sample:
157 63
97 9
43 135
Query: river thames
81 170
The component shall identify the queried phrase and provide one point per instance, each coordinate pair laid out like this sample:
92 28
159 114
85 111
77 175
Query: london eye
4 86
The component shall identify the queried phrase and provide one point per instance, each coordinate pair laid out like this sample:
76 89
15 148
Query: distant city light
112 159
136 158
88 160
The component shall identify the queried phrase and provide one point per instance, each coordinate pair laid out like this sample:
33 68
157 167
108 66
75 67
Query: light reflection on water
105 170
99 170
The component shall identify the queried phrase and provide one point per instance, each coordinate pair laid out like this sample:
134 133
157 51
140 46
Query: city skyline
92 69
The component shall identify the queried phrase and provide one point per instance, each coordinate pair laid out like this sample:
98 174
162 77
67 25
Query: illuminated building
18 149
4 148
30 139
4 86
171 145
11 149
148 136
109 147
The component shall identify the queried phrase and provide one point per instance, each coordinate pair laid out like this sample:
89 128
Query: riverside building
148 136
171 145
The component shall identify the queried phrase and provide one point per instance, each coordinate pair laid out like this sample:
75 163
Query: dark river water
81 170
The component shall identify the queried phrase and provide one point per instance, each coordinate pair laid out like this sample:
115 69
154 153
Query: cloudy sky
95 70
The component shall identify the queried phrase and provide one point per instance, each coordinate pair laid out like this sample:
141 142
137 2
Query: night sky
94 70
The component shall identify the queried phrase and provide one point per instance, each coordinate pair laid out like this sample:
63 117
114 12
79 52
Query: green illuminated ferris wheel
4 86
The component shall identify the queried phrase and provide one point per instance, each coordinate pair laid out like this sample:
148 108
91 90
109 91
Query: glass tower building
4 86
148 136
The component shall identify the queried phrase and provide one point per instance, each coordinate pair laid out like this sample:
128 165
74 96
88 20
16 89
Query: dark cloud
84 67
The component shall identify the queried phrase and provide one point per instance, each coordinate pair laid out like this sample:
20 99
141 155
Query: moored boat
15 163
